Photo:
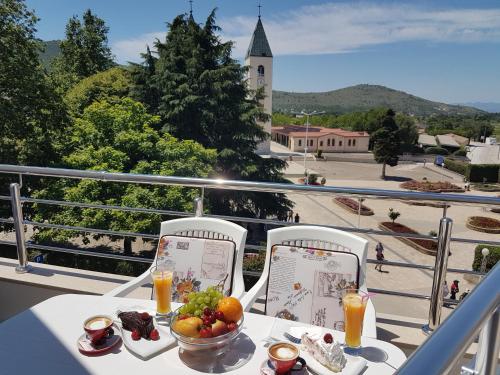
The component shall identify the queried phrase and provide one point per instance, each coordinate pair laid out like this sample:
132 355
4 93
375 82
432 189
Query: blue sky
445 50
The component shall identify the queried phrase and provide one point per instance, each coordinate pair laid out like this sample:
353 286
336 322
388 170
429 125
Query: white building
484 153
260 60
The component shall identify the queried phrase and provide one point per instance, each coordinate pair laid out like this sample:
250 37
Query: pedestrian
297 217
446 291
454 290
290 216
380 256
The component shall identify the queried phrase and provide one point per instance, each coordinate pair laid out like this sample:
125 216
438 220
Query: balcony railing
444 237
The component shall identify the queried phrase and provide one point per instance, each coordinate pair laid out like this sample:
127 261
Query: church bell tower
259 58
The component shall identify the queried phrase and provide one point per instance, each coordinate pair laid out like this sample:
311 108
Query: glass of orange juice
354 303
162 281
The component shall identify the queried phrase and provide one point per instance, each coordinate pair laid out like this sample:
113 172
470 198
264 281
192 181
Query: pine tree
387 143
204 97
84 51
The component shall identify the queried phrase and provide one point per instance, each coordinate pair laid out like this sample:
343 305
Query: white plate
353 366
146 349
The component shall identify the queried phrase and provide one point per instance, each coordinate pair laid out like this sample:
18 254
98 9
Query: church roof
259 45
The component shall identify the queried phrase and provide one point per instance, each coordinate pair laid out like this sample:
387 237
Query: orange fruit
231 309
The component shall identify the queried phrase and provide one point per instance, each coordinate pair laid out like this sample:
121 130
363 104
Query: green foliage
460 152
363 98
108 85
483 173
469 126
491 260
436 151
393 215
32 115
119 137
386 142
84 51
254 263
319 154
49 52
456 166
203 96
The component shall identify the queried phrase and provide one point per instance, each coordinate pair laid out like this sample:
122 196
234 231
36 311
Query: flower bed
353 206
434 187
424 246
427 204
483 224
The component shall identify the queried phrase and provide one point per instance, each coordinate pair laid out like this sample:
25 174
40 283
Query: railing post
17 215
198 207
440 266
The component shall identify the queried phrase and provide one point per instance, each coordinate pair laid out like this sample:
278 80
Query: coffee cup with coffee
284 356
98 327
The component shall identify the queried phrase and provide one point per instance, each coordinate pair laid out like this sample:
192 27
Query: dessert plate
146 349
354 365
85 346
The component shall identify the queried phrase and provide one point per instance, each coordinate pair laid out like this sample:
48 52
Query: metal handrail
443 238
270 187
439 353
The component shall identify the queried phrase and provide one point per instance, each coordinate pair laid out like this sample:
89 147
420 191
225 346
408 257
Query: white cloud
338 28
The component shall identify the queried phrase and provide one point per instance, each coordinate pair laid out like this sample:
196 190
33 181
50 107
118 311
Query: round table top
42 340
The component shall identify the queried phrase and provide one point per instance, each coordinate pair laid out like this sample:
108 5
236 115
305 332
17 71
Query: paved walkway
320 209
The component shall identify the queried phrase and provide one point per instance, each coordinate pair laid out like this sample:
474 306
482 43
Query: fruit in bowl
208 325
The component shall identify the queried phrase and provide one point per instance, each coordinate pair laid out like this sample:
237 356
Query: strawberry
154 335
328 338
136 335
144 316
206 332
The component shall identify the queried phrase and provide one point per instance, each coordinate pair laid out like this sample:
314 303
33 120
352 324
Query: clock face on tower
260 82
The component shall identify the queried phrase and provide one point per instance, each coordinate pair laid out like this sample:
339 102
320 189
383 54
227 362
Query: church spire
259 46
191 10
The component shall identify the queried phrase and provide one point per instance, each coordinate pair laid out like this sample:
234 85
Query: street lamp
307 114
485 252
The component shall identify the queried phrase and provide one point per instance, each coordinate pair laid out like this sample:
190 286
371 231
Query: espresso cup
284 356
97 327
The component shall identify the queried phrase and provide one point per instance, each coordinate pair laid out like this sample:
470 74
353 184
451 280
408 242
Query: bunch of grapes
197 302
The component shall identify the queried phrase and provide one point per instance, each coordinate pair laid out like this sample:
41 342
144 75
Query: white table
42 340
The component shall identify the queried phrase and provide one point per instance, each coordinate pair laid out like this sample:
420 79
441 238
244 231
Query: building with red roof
319 138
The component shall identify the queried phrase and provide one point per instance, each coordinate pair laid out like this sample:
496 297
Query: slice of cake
324 350
143 322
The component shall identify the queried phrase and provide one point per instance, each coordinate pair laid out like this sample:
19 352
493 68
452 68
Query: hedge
436 151
476 172
491 260
456 166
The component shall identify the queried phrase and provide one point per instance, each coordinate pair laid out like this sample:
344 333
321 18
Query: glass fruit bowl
213 345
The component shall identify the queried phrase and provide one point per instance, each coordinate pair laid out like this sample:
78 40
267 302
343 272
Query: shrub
312 179
436 151
319 154
456 166
483 173
460 152
491 260
428 186
393 215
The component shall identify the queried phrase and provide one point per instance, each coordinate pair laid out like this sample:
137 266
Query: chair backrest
320 238
203 227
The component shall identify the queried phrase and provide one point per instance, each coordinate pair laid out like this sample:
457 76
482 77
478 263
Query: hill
51 51
362 98
491 107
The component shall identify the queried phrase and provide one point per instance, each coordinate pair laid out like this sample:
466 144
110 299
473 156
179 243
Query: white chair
320 238
201 227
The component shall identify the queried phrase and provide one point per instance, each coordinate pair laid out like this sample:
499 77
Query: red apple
219 328
206 332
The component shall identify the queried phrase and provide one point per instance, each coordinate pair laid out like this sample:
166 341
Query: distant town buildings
319 138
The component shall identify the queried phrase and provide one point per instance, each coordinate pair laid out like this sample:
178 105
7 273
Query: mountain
491 107
362 98
51 50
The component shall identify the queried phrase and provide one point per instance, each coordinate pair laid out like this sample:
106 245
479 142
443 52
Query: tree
108 85
84 51
393 215
408 133
386 142
120 137
204 97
